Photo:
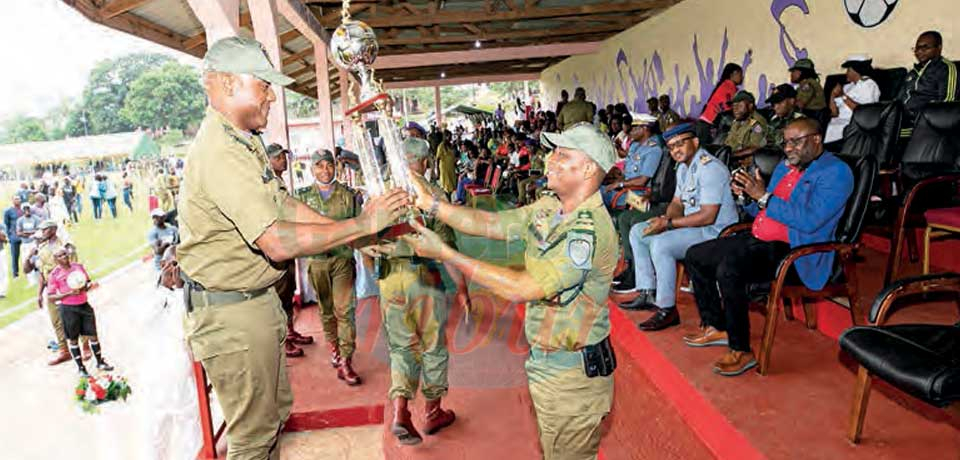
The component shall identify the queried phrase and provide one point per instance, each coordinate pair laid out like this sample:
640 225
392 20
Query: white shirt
864 91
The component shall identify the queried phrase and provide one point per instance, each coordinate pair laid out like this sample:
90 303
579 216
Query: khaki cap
415 148
586 138
242 55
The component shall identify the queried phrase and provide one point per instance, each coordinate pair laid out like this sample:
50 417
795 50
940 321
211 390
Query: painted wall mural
682 51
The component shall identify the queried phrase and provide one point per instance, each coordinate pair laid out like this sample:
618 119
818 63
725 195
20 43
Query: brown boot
292 350
437 417
346 373
296 337
402 427
61 358
334 354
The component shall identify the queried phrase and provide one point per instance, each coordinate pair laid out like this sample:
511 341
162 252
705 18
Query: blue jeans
462 189
97 207
655 259
128 198
112 204
15 257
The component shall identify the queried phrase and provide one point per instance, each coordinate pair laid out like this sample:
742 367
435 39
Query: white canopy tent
71 149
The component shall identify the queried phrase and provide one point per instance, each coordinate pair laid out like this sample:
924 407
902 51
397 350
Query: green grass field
103 245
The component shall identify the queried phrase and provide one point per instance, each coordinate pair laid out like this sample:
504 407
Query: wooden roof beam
400 61
302 19
469 80
118 7
511 35
445 17
134 25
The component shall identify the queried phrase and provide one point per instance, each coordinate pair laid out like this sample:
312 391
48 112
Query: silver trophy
354 48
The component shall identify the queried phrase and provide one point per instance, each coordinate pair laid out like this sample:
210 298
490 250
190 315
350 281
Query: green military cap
586 138
746 96
802 64
321 155
415 148
274 150
242 55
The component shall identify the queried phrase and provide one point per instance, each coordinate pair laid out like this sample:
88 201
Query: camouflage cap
321 155
743 96
415 148
274 150
241 55
586 138
802 64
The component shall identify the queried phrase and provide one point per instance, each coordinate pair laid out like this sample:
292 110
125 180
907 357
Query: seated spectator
719 101
784 102
749 130
702 206
668 117
576 111
860 89
810 99
161 236
643 158
653 106
933 78
801 205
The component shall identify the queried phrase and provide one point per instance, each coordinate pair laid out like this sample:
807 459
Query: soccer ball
76 279
869 13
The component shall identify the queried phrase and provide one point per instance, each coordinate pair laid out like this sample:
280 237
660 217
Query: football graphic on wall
869 13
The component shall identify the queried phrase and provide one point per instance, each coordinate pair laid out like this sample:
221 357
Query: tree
300 106
24 129
167 97
103 98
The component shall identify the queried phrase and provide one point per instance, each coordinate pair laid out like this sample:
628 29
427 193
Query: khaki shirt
444 231
573 112
572 259
667 119
340 205
45 261
810 94
776 127
228 198
749 133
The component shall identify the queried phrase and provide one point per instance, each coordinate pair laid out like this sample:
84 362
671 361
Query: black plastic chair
922 360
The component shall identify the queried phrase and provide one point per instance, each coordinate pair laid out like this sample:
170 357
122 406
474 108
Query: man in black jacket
932 79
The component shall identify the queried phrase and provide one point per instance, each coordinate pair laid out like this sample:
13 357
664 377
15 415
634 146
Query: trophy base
394 231
367 105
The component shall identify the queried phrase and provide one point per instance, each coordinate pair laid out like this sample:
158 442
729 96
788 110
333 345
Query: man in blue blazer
802 205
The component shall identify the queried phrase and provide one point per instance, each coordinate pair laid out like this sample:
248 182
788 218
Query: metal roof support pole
220 18
345 126
263 19
438 106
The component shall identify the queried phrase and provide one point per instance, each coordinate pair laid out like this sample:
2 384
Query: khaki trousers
333 279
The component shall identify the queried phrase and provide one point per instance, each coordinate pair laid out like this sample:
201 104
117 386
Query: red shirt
767 228
57 284
719 101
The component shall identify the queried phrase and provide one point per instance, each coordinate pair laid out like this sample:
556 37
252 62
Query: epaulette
705 159
581 239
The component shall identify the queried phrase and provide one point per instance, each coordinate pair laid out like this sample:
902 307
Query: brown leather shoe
61 358
292 350
734 363
707 337
346 373
334 354
437 417
402 427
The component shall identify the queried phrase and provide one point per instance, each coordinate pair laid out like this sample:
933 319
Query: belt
558 358
195 296
588 358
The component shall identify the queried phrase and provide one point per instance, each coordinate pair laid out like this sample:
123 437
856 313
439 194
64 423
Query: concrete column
262 16
220 18
345 124
324 104
437 105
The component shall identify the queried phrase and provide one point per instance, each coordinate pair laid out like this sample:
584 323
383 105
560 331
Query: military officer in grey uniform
702 206
236 224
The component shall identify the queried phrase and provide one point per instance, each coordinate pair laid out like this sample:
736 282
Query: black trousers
720 270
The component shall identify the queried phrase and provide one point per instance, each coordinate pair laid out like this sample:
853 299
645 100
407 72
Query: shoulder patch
757 128
705 159
805 86
580 241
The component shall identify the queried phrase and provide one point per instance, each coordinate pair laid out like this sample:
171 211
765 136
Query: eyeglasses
797 141
672 145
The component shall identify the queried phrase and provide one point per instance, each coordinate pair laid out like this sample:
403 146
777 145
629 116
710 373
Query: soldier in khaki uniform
236 223
162 190
576 111
414 306
749 130
571 251
45 264
810 96
784 102
333 273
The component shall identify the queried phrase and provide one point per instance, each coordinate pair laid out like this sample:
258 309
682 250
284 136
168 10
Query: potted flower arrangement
95 390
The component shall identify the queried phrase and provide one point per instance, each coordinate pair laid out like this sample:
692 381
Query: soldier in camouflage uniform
332 274
749 130
810 97
414 306
784 102
571 251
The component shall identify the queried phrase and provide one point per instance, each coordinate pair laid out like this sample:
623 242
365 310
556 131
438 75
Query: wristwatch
670 223
762 202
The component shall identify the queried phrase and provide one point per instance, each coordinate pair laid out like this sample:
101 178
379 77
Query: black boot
75 353
644 301
101 363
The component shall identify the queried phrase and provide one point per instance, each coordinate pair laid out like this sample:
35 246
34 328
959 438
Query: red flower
80 392
98 391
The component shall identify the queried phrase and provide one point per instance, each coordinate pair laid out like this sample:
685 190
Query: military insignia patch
704 159
580 250
805 87
757 129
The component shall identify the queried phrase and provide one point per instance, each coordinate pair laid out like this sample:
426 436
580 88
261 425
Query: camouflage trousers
414 307
570 408
333 279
